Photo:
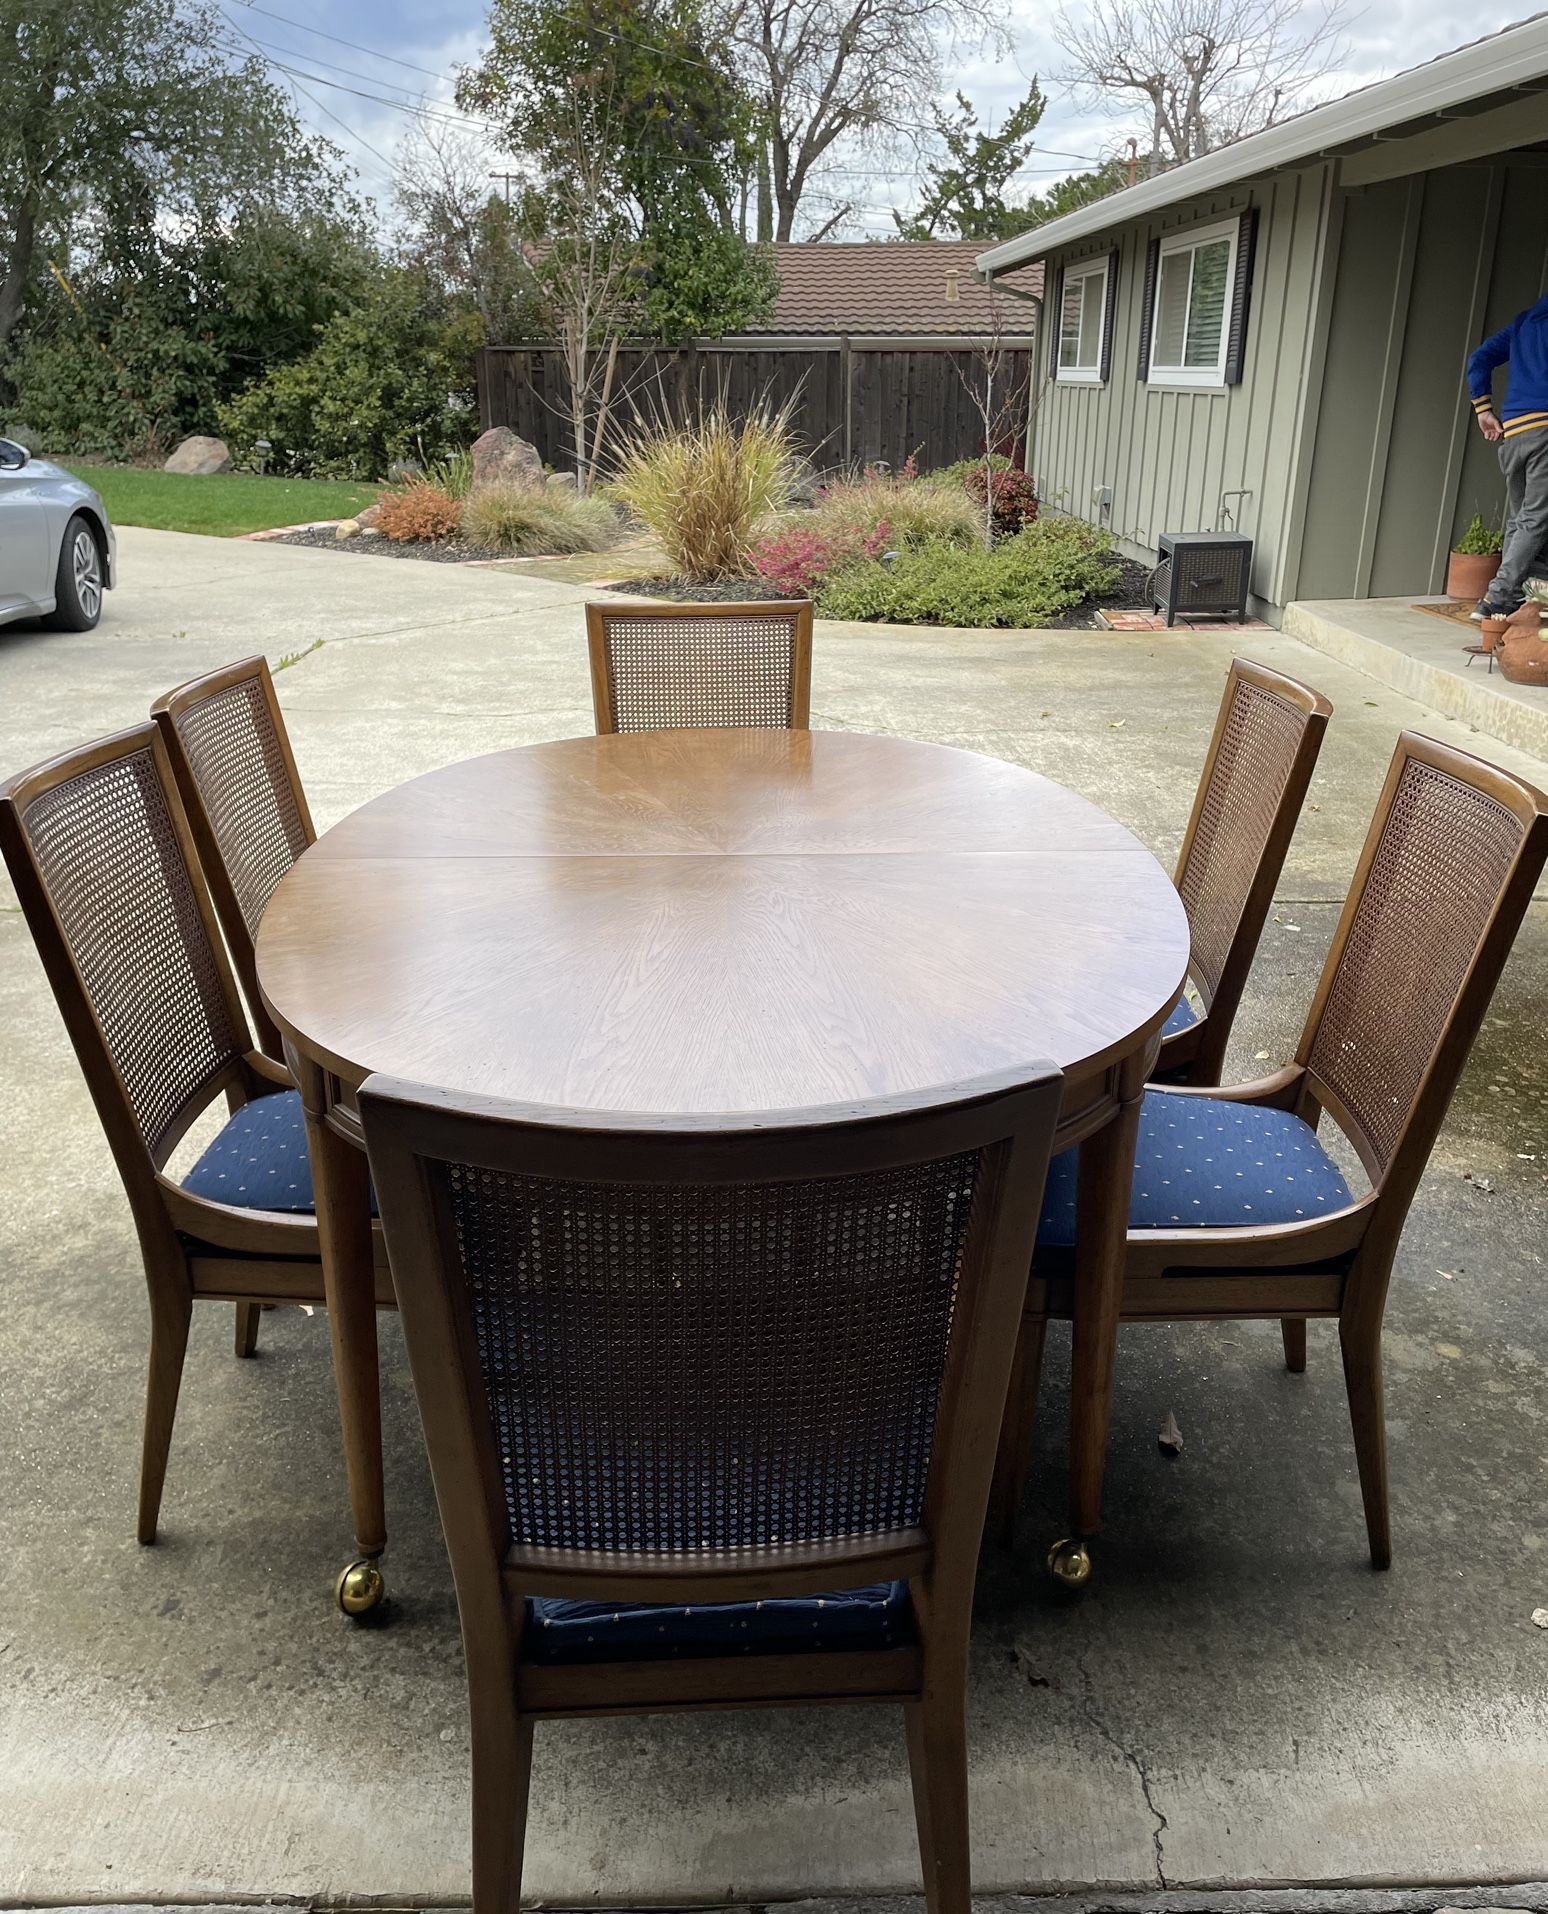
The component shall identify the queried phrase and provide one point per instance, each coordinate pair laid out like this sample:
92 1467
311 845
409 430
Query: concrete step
1422 657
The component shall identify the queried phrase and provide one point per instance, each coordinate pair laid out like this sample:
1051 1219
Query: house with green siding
1271 339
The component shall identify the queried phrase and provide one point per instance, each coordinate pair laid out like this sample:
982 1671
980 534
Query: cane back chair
1448 869
103 862
711 1410
682 667
237 778
1267 737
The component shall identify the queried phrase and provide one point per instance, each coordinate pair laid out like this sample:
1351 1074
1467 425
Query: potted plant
1523 651
1475 558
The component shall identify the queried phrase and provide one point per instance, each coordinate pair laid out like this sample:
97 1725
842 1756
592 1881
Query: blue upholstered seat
259 1161
1184 1017
880 1616
1203 1162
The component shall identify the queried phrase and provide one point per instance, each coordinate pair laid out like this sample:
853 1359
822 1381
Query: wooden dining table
720 921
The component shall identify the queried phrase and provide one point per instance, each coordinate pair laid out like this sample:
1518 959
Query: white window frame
1073 276
1189 241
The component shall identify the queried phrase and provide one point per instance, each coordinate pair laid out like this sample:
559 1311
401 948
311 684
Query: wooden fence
853 401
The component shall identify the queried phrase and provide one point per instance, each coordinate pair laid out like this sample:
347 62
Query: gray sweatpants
1524 461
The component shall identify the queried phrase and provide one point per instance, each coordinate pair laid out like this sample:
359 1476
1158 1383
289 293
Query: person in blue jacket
1520 430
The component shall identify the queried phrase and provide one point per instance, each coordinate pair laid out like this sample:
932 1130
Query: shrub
1012 499
957 474
418 511
528 521
1480 540
702 489
390 379
795 562
914 512
1022 581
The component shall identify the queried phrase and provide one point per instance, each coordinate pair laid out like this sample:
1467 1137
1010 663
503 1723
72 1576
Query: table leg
342 1190
1101 1231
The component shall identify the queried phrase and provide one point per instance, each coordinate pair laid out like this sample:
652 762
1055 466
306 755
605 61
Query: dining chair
681 667
1267 736
104 867
237 777
1238 1210
711 1409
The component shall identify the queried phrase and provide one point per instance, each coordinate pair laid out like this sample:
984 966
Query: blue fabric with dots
880 1616
1182 1018
259 1161
1205 1163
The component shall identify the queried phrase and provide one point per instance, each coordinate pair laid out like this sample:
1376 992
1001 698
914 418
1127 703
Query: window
1195 276
1082 319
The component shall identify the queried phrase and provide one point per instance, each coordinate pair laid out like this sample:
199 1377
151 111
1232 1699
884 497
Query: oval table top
721 921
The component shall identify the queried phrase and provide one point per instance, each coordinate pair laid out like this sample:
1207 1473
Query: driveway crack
1132 1760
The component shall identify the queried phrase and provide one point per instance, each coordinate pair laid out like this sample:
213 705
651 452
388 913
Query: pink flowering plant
796 562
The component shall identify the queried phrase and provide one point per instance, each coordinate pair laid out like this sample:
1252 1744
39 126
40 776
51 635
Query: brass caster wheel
1069 1563
360 1588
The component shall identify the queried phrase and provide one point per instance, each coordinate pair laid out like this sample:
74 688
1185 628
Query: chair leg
247 1315
502 1775
1293 1329
169 1344
937 1765
1013 1458
1367 1412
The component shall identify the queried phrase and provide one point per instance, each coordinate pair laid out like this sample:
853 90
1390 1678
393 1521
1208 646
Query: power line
353 45
344 125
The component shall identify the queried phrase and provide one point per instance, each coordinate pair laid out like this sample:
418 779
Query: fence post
848 401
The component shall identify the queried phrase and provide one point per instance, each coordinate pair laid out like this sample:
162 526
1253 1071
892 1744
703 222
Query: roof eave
1509 58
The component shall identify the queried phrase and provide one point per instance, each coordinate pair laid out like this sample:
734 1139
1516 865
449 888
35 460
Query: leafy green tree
1069 195
638 133
965 192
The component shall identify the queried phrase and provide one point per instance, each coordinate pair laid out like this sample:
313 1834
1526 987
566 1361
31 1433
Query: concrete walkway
1237 1702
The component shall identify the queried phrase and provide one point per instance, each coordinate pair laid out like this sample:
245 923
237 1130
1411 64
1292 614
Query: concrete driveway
1238 1701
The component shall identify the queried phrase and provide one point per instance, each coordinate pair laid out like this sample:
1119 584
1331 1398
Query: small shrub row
513 521
1024 581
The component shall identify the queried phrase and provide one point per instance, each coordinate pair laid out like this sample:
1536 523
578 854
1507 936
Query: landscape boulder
199 457
366 520
564 481
500 457
347 528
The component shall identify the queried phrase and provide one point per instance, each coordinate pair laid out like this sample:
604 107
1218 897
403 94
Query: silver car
57 550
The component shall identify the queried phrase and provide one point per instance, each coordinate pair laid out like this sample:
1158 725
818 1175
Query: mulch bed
437 551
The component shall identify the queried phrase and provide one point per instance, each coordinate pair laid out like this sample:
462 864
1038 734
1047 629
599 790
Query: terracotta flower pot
1470 574
1523 651
1493 630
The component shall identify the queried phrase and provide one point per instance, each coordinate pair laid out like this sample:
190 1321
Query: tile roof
891 286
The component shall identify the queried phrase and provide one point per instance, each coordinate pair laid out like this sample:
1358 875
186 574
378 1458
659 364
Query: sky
367 73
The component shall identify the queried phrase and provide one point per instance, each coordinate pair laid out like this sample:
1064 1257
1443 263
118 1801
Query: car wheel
78 581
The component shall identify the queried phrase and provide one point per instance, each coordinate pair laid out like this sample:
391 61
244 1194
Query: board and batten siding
1171 454
1427 264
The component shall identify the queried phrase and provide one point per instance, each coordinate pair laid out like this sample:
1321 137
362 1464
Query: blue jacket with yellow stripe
1524 345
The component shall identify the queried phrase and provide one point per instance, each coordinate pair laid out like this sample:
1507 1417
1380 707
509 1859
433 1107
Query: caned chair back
681 667
1447 872
103 862
670 1357
232 759
1261 757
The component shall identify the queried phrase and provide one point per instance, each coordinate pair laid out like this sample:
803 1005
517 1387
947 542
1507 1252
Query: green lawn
223 505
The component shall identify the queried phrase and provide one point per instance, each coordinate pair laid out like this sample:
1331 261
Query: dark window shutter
1148 305
1054 310
1109 316
1241 296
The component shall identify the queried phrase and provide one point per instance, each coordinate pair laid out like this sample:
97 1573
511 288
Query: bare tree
862 71
998 393
460 231
1205 72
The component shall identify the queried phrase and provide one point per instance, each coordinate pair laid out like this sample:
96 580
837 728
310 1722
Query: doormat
1456 611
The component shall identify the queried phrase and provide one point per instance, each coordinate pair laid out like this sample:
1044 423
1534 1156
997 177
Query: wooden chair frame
194 1249
779 610
1196 1054
170 712
1010 1120
1337 1266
